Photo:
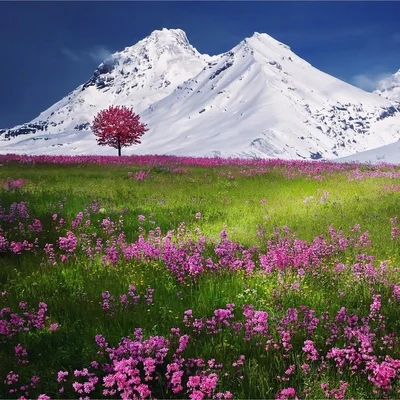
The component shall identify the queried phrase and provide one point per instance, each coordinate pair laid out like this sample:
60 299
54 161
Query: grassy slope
242 205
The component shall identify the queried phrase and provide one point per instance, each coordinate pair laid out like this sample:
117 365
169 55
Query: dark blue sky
49 48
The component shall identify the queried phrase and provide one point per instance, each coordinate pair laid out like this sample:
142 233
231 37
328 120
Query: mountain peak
266 39
165 32
162 41
164 35
265 45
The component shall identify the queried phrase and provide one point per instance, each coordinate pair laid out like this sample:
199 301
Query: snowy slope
390 87
257 100
384 154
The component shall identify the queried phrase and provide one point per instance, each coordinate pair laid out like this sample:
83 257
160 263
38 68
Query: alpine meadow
165 277
200 200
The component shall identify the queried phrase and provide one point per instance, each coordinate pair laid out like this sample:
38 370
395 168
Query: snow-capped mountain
257 100
390 87
137 76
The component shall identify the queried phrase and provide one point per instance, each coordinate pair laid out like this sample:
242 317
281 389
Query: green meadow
305 269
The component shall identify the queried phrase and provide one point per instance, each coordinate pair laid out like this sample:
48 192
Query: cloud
71 54
98 54
369 81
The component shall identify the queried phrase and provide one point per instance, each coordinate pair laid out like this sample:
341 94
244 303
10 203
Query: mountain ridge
258 99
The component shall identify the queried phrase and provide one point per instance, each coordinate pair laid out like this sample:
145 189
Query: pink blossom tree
118 126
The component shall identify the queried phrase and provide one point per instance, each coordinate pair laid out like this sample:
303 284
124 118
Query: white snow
384 154
257 100
390 87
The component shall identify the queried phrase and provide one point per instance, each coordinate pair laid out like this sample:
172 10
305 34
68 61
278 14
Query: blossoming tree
118 126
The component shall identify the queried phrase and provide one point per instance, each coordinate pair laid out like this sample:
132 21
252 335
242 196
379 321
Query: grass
248 207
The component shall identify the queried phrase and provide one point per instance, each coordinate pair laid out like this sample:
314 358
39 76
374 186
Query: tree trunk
119 146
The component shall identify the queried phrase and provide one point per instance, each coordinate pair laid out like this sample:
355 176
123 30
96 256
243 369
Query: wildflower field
164 277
